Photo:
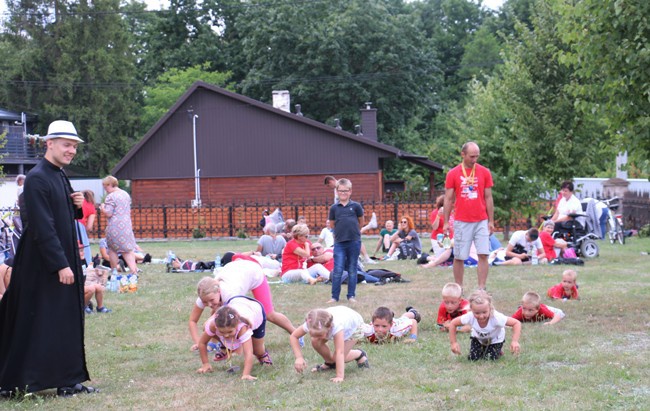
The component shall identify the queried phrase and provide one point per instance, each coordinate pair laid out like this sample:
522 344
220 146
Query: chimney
337 124
282 100
369 121
298 110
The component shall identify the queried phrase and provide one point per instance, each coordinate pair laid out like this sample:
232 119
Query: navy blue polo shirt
346 221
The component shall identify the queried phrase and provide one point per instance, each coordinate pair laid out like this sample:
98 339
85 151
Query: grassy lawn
598 357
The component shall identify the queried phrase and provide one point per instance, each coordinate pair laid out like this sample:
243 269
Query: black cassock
42 320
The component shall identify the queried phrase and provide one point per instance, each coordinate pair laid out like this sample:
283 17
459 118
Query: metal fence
179 221
636 210
182 221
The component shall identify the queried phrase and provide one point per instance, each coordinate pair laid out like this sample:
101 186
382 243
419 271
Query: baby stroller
577 236
9 237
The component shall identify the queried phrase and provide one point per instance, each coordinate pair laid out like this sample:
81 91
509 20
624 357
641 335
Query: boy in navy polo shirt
347 216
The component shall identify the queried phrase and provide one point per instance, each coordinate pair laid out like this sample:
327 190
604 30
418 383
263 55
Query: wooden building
247 150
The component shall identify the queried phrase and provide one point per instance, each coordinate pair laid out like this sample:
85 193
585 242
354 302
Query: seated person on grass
384 237
521 244
95 286
295 254
326 236
271 244
532 310
553 247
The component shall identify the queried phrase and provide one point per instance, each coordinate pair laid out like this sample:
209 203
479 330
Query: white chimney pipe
282 100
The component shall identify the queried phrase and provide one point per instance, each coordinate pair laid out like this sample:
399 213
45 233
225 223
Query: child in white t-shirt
488 329
341 324
386 328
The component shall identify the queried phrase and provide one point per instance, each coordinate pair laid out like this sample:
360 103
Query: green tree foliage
608 48
524 119
76 64
481 55
181 36
171 85
335 55
449 26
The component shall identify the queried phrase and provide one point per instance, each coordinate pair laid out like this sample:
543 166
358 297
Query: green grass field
598 357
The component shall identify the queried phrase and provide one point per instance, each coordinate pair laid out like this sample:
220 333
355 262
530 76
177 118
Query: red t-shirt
290 260
329 265
444 316
88 209
470 199
441 223
542 315
557 292
548 242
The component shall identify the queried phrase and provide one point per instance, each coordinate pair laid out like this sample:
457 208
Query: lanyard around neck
469 179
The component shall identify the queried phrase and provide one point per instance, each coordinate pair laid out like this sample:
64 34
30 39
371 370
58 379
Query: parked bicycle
615 229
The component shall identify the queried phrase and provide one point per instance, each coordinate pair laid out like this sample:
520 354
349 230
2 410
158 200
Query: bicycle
615 229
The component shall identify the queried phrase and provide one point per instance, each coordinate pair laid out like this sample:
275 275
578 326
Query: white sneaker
373 221
370 261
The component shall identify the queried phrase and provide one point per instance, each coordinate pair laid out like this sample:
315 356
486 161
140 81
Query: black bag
569 261
407 251
519 249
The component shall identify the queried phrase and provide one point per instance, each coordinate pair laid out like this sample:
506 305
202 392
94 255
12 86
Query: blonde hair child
488 329
532 310
208 296
341 324
452 306
567 289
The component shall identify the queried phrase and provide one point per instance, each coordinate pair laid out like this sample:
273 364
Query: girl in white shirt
341 324
488 329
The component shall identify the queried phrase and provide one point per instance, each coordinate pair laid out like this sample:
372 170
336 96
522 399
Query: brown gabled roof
387 150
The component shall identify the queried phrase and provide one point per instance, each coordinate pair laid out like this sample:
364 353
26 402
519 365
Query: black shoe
423 259
415 312
147 258
76 389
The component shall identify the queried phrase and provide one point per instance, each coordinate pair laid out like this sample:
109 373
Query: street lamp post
197 170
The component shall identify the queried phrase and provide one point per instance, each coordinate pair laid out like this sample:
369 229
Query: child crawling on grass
240 327
386 328
453 305
532 310
488 329
567 289
339 323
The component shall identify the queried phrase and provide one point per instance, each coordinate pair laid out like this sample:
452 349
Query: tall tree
182 36
335 55
93 73
525 121
449 25
608 49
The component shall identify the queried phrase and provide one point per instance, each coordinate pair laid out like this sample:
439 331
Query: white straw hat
62 129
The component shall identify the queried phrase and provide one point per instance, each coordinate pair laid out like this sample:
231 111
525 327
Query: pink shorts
262 293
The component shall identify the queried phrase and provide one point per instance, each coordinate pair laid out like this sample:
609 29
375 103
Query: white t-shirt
238 277
327 236
519 237
343 318
493 333
570 206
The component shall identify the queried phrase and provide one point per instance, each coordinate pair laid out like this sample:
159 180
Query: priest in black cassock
41 314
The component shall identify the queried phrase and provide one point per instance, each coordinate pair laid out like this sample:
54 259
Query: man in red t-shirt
468 190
